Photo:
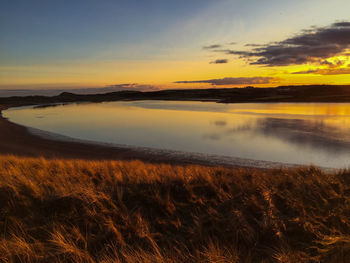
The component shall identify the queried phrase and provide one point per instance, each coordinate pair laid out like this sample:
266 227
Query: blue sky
40 39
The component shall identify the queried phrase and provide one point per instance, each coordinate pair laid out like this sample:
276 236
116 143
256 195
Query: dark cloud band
329 71
310 46
232 81
219 61
212 46
132 86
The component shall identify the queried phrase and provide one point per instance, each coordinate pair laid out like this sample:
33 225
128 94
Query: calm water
282 132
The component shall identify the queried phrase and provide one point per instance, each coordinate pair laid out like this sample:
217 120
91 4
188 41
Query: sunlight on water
281 132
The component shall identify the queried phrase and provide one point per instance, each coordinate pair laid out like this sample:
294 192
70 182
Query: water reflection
315 134
305 133
292 133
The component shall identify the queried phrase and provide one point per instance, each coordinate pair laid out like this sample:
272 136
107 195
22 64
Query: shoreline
24 141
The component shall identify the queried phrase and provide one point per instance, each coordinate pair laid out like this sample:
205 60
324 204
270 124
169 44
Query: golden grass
84 211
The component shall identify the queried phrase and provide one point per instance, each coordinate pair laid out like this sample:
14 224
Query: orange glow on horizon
163 74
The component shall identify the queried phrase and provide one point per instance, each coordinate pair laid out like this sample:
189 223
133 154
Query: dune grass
118 211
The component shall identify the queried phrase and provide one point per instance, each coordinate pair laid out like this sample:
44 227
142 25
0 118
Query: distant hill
307 93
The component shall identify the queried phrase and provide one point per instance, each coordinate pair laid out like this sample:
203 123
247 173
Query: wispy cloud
219 61
133 87
253 45
231 81
309 46
328 71
212 46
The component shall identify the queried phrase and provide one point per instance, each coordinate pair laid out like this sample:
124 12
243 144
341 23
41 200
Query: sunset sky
173 44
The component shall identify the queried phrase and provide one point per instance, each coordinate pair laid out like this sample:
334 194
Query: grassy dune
80 211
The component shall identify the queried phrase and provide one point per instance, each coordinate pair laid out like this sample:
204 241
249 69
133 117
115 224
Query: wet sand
17 140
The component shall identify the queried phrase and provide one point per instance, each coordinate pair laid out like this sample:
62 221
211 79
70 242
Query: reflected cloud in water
305 133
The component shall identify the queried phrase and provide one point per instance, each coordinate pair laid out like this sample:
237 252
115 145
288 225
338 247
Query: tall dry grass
84 211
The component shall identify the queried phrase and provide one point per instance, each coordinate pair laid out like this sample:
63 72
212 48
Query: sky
155 44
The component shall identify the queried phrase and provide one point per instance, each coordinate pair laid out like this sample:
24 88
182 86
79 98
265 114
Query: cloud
342 24
331 64
212 46
310 71
132 86
253 45
232 81
328 71
219 61
309 46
